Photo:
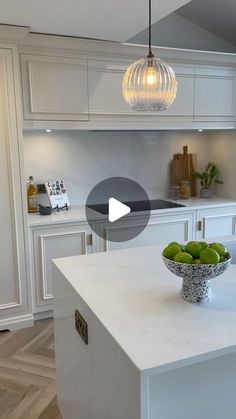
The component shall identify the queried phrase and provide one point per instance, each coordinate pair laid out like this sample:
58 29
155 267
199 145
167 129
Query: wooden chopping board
184 167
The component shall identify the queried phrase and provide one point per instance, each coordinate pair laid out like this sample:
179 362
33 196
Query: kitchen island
146 353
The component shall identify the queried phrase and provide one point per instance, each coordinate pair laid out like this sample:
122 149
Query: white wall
82 159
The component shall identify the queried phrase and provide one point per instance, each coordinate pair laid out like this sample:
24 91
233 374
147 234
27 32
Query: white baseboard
43 315
17 322
25 320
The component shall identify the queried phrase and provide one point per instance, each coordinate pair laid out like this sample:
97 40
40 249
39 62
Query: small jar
174 192
185 189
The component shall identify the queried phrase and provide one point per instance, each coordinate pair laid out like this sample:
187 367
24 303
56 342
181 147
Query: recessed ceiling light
48 130
200 130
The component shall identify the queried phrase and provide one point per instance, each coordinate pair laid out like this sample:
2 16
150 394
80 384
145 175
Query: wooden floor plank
51 412
46 396
32 368
22 408
45 361
16 340
22 377
27 373
9 397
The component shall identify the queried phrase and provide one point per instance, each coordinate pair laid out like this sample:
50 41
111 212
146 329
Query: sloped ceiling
201 24
99 19
175 31
216 16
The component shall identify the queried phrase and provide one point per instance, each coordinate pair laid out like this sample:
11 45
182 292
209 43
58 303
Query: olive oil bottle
32 196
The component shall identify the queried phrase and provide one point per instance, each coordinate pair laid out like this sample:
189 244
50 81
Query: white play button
117 209
114 198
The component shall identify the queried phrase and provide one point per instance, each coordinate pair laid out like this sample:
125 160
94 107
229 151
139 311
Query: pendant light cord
150 54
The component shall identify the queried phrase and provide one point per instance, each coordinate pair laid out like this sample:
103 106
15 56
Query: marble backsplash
83 159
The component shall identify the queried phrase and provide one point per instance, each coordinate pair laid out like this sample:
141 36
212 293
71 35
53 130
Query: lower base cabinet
216 222
160 229
51 243
56 241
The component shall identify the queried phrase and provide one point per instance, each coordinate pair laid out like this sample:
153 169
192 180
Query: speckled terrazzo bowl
196 278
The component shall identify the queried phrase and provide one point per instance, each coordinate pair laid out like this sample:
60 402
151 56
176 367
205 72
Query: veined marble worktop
149 353
77 213
136 299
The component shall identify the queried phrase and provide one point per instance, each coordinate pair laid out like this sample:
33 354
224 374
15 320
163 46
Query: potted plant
207 178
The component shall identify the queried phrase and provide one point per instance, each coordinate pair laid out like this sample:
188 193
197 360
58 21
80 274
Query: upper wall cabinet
54 88
214 94
106 100
83 90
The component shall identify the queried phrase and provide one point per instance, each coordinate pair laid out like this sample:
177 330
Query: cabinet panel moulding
13 304
185 222
72 46
54 88
12 174
217 218
43 239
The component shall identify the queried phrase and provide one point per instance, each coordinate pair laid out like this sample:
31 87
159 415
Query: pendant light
149 84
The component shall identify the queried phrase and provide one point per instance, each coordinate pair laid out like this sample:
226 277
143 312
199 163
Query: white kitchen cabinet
55 241
161 229
75 238
54 88
49 243
106 100
214 95
15 308
216 222
80 86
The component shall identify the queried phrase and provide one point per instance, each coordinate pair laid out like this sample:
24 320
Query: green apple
171 250
219 248
209 256
194 249
183 257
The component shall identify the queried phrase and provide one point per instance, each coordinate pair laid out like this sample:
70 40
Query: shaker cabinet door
160 230
214 95
52 243
106 98
54 88
216 222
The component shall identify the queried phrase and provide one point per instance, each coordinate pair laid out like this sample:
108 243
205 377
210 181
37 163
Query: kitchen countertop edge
77 213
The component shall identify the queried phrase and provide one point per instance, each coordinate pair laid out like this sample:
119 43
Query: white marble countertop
203 203
77 213
137 300
74 214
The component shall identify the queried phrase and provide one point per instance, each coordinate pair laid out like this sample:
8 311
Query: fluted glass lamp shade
149 85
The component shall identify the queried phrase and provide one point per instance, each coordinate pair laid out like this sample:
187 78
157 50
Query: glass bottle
32 197
174 192
185 189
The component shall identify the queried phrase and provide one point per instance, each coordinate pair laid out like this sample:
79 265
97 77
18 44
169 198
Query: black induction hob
136 206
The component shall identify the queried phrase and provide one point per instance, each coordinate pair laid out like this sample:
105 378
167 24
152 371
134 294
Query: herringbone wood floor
27 373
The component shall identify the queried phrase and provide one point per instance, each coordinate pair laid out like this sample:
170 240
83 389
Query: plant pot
205 193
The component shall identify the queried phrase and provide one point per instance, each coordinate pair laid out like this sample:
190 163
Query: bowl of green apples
196 263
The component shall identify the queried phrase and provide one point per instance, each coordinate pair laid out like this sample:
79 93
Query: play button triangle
117 209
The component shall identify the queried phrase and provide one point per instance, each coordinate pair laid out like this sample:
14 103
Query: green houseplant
207 178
